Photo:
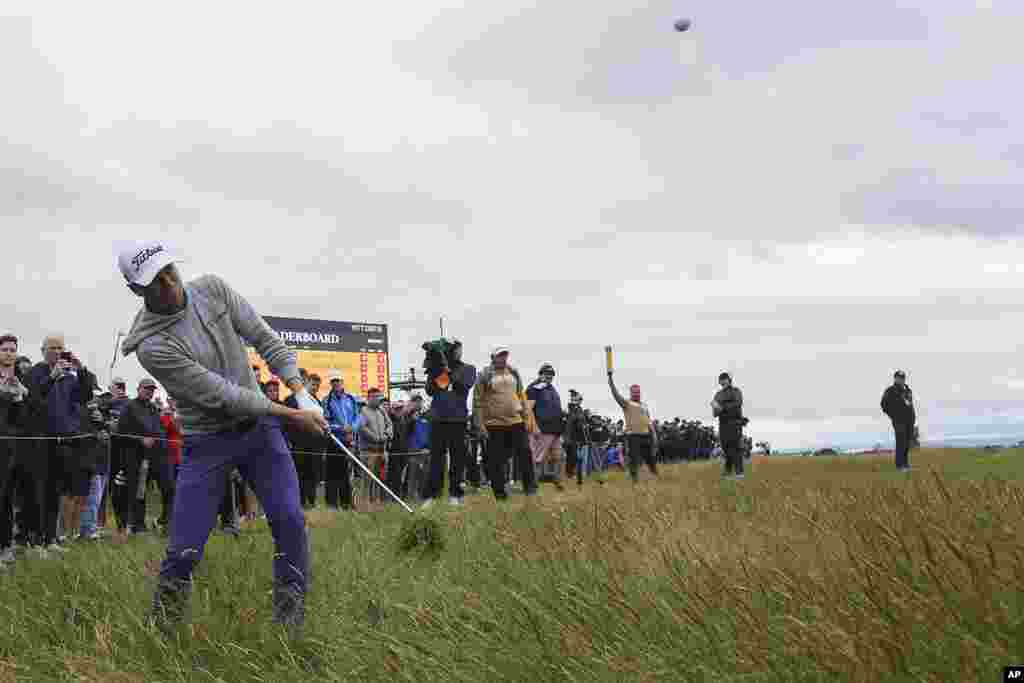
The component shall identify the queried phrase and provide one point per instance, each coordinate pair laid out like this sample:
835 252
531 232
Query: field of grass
812 569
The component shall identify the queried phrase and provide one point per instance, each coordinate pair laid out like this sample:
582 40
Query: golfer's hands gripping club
309 417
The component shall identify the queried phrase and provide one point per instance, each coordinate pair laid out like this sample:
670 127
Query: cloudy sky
808 195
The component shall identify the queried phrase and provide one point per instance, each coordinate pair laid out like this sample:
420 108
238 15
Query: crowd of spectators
69 451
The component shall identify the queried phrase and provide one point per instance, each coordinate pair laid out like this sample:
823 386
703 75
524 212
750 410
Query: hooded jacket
198 356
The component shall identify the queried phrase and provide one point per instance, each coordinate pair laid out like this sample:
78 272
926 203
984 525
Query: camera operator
59 389
13 395
728 408
142 447
449 413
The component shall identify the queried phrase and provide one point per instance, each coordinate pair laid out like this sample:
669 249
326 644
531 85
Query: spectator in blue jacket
546 442
341 410
448 432
59 388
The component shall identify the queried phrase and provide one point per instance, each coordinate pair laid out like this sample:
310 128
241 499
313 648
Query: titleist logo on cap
145 255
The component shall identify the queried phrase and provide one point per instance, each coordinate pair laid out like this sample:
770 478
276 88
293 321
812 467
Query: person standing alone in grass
898 404
190 338
727 406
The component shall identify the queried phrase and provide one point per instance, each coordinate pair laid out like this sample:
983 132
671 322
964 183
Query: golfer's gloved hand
120 479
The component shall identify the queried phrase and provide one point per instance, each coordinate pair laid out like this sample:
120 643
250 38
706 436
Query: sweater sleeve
255 330
181 375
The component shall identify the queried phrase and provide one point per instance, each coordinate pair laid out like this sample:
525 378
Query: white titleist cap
140 262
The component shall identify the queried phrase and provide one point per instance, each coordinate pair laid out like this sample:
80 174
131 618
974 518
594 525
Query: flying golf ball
682 25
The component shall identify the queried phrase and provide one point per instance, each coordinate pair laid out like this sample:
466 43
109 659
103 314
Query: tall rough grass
810 570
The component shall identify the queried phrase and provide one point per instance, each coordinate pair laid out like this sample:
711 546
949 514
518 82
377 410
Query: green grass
824 569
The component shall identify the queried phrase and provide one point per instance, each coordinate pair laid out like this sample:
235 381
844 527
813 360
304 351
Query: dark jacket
450 405
404 424
91 452
730 417
140 418
898 404
13 416
547 407
731 413
57 406
576 426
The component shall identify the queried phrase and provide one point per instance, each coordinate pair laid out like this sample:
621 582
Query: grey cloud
294 170
918 197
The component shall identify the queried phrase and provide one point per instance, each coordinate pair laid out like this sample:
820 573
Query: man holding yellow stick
641 439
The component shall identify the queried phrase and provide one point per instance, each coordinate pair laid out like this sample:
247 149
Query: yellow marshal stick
608 357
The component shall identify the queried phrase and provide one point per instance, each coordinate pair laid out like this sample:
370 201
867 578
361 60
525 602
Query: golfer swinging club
189 338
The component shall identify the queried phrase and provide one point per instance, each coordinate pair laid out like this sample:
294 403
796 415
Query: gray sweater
198 356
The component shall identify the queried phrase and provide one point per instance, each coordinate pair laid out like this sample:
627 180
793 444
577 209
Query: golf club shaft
366 469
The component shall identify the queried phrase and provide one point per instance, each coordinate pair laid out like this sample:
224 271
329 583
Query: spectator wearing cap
341 410
141 439
500 413
449 415
13 395
727 406
375 432
59 388
640 438
546 442
898 405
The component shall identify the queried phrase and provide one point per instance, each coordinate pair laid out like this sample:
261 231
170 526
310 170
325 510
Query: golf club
366 469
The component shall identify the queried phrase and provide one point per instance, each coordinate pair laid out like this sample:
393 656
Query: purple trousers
262 456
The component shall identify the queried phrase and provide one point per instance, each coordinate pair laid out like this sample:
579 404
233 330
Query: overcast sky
809 195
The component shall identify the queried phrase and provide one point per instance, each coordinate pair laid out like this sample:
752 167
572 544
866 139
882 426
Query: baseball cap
900 373
335 377
118 380
141 261
146 382
500 348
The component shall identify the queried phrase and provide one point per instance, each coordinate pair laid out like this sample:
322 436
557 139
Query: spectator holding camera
59 388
